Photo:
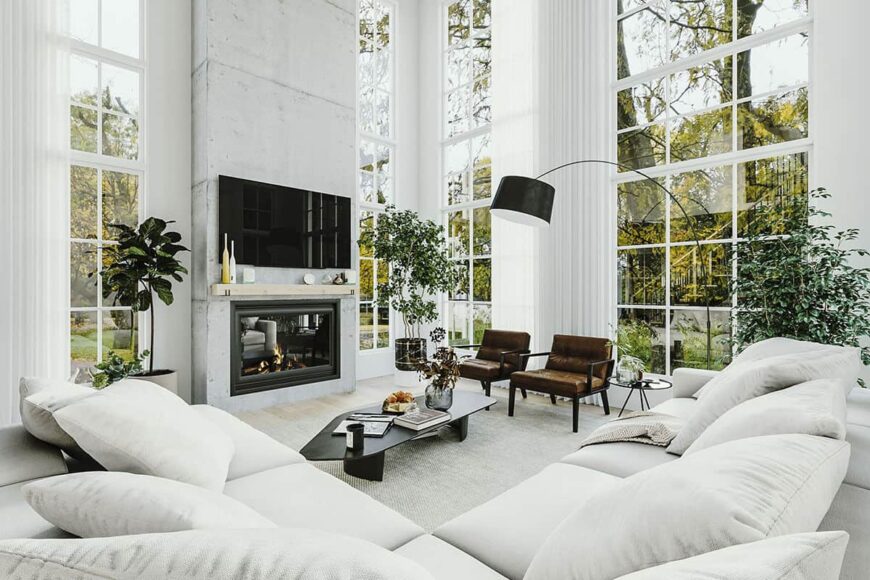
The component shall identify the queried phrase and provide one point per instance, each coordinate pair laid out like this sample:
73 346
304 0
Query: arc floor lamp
529 201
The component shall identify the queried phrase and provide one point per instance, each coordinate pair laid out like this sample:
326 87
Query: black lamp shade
523 200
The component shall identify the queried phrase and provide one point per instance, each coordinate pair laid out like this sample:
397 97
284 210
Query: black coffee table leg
370 467
461 425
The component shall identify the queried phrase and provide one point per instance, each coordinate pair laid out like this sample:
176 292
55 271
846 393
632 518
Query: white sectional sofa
496 540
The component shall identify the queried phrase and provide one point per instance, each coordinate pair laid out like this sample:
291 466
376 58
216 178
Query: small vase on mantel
233 262
225 263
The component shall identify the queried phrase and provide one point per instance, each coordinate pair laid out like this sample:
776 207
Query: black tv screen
283 227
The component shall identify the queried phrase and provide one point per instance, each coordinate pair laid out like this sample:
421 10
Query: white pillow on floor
817 556
105 503
737 492
276 554
814 408
139 427
747 381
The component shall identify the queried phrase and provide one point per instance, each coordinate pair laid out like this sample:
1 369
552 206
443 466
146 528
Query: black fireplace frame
240 385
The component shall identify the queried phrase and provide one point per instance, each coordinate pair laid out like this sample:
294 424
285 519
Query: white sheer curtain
34 207
515 139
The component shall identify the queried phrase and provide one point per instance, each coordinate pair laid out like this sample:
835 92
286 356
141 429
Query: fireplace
283 344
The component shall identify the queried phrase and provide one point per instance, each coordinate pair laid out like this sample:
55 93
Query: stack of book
422 419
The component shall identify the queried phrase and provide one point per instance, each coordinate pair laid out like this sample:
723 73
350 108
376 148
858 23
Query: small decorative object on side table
641 387
442 371
399 402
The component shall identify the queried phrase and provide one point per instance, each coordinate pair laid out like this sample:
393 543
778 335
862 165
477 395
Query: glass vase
438 397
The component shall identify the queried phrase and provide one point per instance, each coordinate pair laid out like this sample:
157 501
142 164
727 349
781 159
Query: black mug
355 433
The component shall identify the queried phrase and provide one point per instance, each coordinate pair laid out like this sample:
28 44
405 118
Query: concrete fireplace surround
274 97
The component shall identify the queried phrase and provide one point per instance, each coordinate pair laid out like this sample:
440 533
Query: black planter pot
408 352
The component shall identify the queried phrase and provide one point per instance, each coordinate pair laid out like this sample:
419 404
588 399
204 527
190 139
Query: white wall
168 118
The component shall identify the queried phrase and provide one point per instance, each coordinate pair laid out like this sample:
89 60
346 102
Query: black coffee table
369 462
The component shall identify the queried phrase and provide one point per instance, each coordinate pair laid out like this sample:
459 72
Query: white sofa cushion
254 450
140 427
742 382
682 407
849 512
23 457
506 532
39 399
103 503
817 556
814 408
18 520
302 496
290 554
620 459
733 493
446 562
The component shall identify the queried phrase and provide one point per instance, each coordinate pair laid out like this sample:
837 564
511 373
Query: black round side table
641 387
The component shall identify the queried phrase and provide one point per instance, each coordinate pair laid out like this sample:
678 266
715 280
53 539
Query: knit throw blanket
637 427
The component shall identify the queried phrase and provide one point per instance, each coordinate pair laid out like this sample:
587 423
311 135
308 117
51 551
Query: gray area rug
433 480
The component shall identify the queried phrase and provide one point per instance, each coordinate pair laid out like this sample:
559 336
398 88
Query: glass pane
772 120
120 90
120 201
641 148
84 20
367 156
457 188
367 110
699 26
83 129
457 157
701 135
482 231
623 6
383 269
480 150
457 323
83 202
366 280
367 16
457 111
83 340
383 327
757 17
120 136
482 14
641 334
383 113
460 291
118 334
641 276
482 321
705 195
366 224
702 87
457 21
83 77
481 57
780 64
483 182
640 213
383 70
366 326
640 40
689 340
385 173
767 190
366 63
483 280
640 104
690 277
83 275
458 233
121 26
458 63
481 104
367 186
382 26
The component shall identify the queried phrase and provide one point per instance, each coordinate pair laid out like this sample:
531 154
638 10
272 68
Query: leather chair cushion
495 342
560 383
574 353
484 370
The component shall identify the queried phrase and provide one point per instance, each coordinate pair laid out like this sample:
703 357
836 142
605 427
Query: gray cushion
444 561
859 465
24 457
619 459
858 407
303 496
18 520
506 532
849 512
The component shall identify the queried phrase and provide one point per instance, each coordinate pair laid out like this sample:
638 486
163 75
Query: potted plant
115 368
795 279
419 268
140 266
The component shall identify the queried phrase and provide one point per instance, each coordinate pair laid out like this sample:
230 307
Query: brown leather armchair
577 367
498 355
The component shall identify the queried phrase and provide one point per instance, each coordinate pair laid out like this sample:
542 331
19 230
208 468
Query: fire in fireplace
283 344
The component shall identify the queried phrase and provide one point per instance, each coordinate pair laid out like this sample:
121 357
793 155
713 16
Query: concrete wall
274 100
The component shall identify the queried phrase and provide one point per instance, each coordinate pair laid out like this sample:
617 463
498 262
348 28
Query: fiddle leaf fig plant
418 264
802 281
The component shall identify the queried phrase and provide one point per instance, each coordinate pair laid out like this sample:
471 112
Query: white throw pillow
747 381
277 554
734 493
816 556
254 450
813 408
39 399
104 503
140 427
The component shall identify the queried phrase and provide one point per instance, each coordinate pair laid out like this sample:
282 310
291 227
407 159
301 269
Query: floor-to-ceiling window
712 99
107 70
466 164
377 152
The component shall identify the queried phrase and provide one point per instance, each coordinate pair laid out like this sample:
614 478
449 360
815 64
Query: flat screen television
283 227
